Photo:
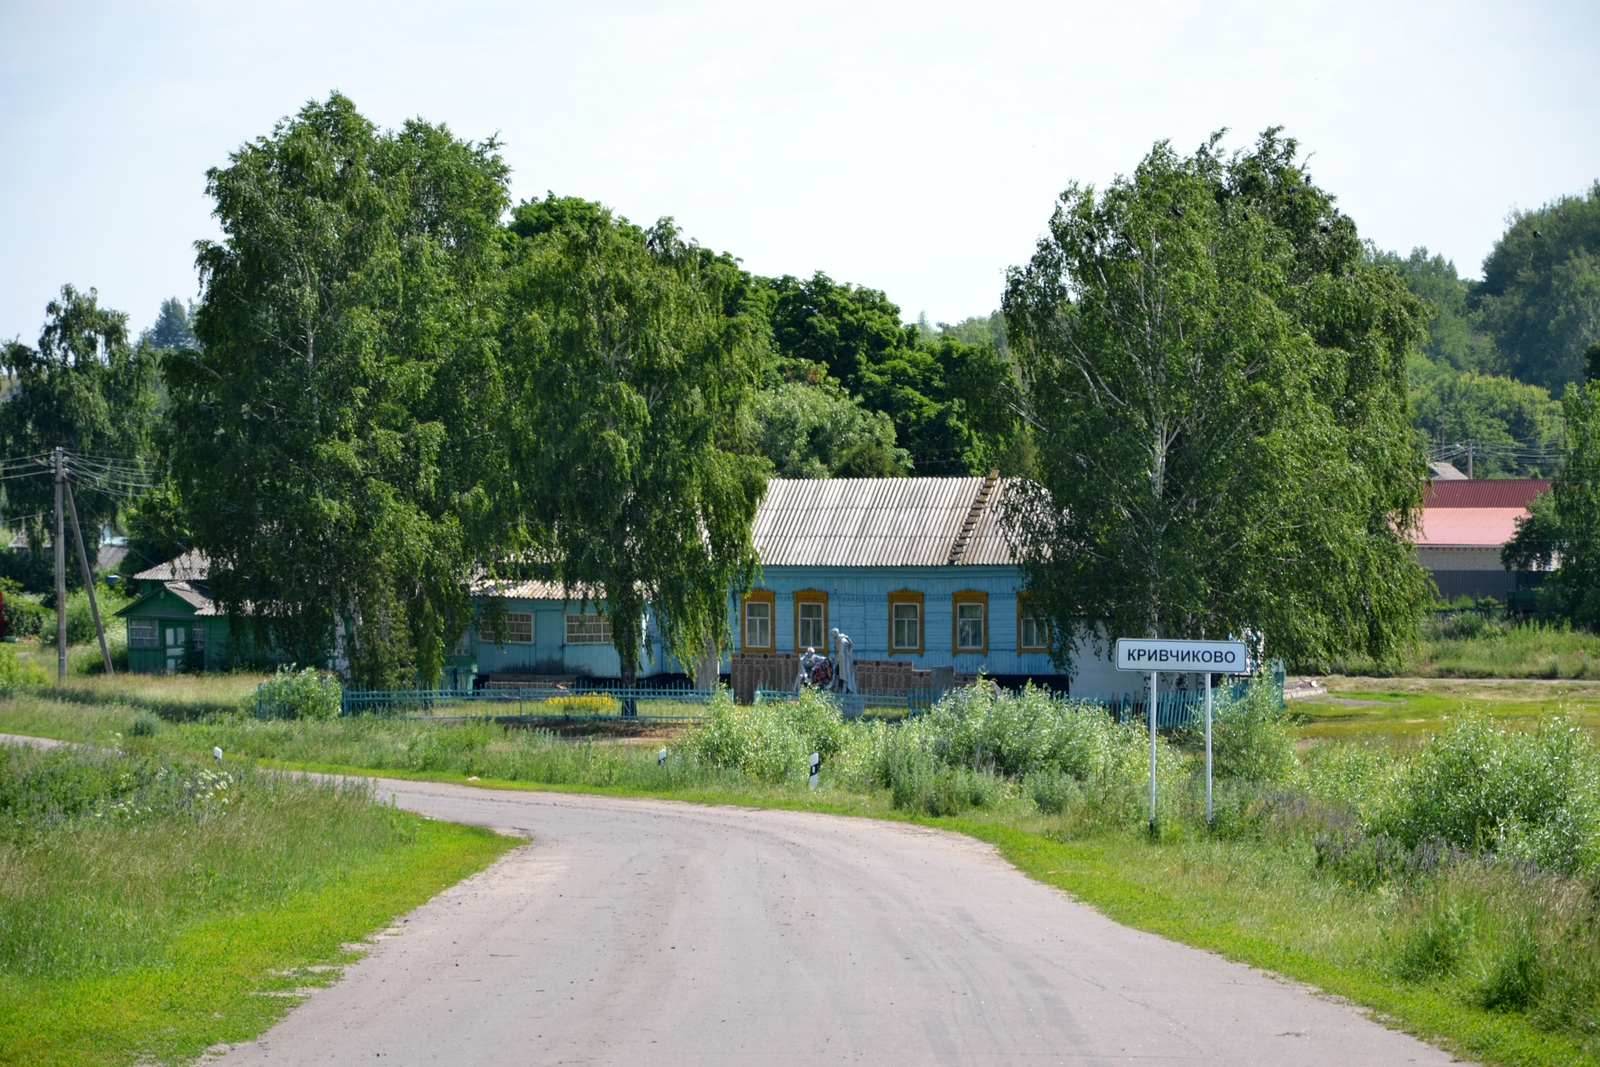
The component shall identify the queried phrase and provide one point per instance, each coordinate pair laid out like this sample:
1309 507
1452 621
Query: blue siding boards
856 547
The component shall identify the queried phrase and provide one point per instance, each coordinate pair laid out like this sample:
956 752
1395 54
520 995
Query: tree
85 389
329 440
1514 429
946 396
1456 336
1540 294
1215 369
173 327
629 354
808 430
1562 529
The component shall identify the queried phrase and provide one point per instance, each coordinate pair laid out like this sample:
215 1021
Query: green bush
80 617
16 673
1532 797
771 741
299 695
1251 738
24 615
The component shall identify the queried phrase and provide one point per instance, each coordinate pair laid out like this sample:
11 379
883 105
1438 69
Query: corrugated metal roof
1464 527
532 589
192 566
196 597
876 522
1484 493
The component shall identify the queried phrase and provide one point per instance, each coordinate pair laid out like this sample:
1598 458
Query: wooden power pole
61 567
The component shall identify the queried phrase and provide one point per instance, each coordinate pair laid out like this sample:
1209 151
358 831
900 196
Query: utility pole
88 580
1469 460
61 567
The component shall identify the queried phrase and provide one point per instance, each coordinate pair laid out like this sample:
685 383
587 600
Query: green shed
174 624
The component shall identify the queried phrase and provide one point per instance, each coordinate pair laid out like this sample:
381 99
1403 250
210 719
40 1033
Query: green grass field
1443 952
152 907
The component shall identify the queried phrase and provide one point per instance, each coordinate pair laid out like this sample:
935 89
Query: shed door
176 640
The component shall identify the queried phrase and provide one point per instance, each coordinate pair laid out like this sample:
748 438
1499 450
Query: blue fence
855 705
531 704
1174 709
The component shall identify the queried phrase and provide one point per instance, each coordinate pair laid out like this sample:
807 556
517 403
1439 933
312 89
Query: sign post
1156 654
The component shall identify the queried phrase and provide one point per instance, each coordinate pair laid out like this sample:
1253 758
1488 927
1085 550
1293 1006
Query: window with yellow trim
905 622
1033 631
758 618
810 620
970 619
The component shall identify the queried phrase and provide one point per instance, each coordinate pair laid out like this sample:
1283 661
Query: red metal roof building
1464 525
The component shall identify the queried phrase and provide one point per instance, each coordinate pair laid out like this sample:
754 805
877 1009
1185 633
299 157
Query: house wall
549 652
858 605
154 660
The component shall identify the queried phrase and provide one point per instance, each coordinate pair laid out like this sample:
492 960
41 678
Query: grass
1407 710
151 908
1491 648
1494 960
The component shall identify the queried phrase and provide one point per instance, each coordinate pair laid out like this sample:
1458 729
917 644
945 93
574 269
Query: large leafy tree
1540 295
1216 370
814 430
629 354
1562 530
1514 429
328 439
85 388
949 398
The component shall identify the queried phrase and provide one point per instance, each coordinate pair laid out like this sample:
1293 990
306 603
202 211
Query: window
905 622
588 629
758 618
1033 632
144 633
198 640
811 621
519 628
971 621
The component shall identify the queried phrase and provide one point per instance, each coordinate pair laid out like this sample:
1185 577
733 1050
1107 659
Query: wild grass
1475 644
1453 883
146 901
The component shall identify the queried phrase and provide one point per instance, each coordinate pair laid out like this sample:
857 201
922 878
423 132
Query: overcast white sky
916 147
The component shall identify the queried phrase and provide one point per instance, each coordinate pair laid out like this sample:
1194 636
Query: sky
916 148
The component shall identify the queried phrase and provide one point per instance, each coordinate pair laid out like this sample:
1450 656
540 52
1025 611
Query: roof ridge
958 547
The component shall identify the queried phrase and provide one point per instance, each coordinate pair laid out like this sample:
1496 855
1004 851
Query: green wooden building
174 625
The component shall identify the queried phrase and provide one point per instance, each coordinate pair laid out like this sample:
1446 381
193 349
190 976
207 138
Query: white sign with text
1168 654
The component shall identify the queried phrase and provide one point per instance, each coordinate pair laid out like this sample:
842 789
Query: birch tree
1214 367
327 440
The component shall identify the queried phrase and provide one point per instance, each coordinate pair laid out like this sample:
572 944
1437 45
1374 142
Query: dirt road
643 932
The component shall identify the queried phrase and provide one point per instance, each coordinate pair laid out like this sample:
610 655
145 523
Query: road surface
638 932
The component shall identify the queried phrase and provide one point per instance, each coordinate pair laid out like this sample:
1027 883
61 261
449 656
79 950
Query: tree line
396 381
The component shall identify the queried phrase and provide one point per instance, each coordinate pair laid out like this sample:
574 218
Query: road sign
1154 655
1166 654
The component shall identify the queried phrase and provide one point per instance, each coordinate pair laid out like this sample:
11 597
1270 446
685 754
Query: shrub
1251 738
24 615
80 617
144 725
302 695
771 741
1018 734
1436 944
1532 797
15 673
1051 791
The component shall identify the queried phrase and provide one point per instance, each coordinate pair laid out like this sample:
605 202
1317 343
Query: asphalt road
644 932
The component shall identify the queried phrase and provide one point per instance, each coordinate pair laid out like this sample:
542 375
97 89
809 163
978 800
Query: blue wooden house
917 571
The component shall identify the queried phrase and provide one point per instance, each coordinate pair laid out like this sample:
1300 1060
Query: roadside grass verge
151 907
1449 883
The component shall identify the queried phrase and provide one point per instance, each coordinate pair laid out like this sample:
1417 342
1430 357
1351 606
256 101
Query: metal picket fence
855 705
1174 709
531 704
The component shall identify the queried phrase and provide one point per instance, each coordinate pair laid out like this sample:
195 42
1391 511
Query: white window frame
144 633
588 628
518 624
758 624
971 613
906 613
819 622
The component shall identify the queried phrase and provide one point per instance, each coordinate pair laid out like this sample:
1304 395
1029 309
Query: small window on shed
588 629
198 640
144 633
